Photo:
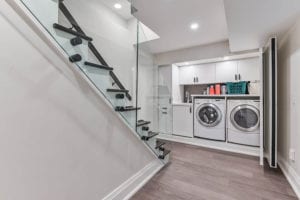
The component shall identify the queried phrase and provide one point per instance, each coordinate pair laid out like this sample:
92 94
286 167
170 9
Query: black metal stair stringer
91 46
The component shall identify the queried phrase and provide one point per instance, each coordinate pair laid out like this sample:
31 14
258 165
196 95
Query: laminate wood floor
205 174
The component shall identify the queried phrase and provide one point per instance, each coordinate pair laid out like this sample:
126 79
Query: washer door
209 115
245 118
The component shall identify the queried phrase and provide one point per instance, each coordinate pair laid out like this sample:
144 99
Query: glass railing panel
146 88
116 51
104 44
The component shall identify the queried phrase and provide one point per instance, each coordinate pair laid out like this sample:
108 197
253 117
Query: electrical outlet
292 154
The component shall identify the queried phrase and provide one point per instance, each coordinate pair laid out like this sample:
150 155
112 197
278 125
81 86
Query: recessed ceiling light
194 26
118 6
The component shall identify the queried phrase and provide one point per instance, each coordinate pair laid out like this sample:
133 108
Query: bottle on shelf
218 89
212 90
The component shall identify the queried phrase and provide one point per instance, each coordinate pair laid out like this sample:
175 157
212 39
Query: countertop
226 95
182 104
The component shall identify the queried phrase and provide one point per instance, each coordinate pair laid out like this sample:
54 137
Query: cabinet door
186 75
249 69
205 73
183 120
226 71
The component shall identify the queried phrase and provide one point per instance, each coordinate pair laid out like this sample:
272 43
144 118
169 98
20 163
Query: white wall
289 99
194 53
177 90
58 138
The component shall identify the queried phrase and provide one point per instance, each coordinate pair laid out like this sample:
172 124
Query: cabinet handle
194 79
239 76
197 79
165 113
190 109
235 77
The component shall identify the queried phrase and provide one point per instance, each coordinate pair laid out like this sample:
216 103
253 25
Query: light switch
292 154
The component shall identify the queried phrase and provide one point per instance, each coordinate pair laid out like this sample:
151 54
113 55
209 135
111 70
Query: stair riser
167 159
116 102
141 132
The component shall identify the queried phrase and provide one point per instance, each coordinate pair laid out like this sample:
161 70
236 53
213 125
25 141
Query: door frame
270 103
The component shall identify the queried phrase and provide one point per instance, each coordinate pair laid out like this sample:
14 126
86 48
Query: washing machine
243 122
209 118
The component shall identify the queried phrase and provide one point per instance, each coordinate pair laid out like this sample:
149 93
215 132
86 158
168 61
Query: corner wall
58 138
289 104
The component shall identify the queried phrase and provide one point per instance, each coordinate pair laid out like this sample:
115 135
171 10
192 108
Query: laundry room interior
215 103
150 100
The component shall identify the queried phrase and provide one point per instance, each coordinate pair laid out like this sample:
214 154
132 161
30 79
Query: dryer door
209 115
245 118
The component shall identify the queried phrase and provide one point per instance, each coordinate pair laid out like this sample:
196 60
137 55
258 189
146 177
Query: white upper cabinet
186 75
226 71
205 73
221 72
197 74
249 69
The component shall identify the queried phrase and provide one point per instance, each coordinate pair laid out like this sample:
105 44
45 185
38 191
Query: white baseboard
291 175
132 185
223 146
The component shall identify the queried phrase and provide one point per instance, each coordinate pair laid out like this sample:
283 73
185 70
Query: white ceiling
125 12
252 22
171 19
246 23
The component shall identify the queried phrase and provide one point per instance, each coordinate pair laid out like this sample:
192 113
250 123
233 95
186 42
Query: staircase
74 41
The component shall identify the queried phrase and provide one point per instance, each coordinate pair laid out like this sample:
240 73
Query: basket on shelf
237 87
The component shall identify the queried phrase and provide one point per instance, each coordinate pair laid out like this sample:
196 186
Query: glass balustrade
102 40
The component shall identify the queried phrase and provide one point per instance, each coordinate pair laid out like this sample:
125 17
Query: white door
205 73
186 75
165 99
249 69
226 71
183 120
270 102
